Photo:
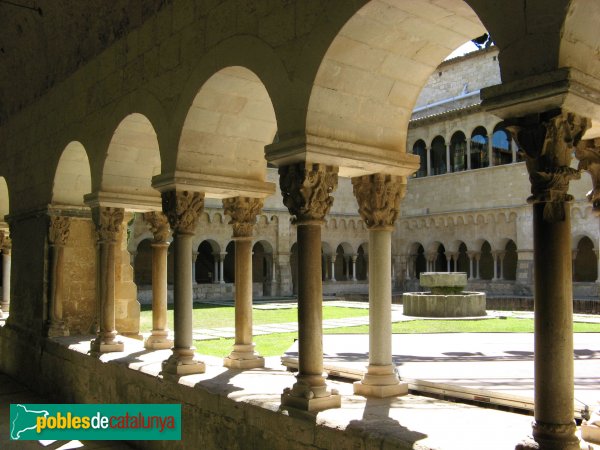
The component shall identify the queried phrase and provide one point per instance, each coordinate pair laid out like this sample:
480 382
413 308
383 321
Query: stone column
159 225
243 212
548 141
194 258
495 256
471 255
477 266
448 162
378 199
216 270
108 223
183 209
428 152
222 256
468 153
306 190
332 257
354 257
58 234
6 245
501 256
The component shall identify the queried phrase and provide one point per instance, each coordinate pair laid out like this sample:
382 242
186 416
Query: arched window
479 148
585 267
463 260
458 152
486 262
441 263
205 263
142 264
501 149
438 156
509 262
420 149
361 264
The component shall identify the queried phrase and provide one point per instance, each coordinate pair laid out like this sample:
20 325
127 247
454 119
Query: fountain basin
446 299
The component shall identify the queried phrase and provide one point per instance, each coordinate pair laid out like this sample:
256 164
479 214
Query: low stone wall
201 292
580 306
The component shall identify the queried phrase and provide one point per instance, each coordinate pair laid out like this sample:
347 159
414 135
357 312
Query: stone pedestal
182 209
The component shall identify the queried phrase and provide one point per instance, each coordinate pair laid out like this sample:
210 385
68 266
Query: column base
548 436
158 340
182 362
101 345
253 363
56 329
5 307
380 381
243 356
308 396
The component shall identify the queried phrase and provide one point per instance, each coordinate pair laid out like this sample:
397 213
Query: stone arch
262 265
462 261
229 263
142 263
228 123
342 264
73 178
438 156
362 263
420 260
501 146
486 262
585 265
373 71
132 159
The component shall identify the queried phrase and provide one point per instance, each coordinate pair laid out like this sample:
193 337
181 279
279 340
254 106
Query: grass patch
276 344
218 316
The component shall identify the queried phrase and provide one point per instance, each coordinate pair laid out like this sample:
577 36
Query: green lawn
276 344
217 316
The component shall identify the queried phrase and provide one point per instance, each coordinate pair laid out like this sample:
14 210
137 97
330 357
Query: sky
467 47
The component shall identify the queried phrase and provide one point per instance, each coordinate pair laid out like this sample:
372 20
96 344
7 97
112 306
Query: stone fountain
446 297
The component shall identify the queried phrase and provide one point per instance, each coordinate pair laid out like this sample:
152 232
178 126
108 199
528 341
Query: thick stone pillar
332 259
58 234
548 140
354 258
216 269
108 223
243 212
501 256
6 246
159 225
428 152
378 199
306 190
468 153
477 266
183 209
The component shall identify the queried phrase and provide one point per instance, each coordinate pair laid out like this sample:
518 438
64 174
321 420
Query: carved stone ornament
58 232
243 212
183 208
548 141
378 198
159 226
306 190
588 154
108 222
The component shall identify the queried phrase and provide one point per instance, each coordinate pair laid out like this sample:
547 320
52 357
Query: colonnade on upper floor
329 98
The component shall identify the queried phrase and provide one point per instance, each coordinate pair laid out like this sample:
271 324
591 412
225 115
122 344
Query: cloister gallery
131 130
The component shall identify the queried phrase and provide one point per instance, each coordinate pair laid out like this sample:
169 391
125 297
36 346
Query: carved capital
243 212
183 208
108 222
378 198
159 226
588 154
306 190
548 141
59 229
